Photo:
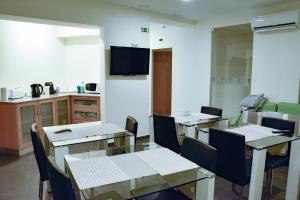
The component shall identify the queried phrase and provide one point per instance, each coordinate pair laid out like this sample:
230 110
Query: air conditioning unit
276 21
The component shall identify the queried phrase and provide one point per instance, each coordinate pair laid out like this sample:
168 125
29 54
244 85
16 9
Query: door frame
152 75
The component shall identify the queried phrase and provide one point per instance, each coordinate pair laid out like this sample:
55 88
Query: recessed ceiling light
186 0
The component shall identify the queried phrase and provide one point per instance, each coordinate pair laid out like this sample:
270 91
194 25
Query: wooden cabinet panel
62 109
85 109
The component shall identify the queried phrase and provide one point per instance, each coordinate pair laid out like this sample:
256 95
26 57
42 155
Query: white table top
254 132
118 168
90 131
185 117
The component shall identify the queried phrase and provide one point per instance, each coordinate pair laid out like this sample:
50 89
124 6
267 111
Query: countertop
44 97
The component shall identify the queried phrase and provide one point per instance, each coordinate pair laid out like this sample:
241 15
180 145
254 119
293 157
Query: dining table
130 172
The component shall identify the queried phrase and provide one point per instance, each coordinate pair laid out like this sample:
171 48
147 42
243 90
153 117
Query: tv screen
129 60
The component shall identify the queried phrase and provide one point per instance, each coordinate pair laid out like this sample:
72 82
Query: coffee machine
51 87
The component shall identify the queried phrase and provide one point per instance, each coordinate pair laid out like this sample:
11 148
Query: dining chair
232 163
169 194
200 153
276 161
60 183
40 157
132 126
165 132
211 110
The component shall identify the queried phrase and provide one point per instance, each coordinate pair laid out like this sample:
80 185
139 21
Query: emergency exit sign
144 30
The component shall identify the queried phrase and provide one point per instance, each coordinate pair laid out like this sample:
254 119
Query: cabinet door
85 109
45 113
28 117
62 111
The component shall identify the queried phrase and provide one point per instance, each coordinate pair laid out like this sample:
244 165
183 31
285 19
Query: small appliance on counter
93 88
4 94
36 90
51 87
15 93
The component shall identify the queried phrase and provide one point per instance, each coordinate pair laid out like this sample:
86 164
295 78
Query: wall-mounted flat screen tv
129 61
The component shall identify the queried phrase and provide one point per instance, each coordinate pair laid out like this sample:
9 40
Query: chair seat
276 161
176 150
165 195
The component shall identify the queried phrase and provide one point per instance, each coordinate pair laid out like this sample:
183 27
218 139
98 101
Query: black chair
40 157
132 126
272 161
170 194
61 185
232 163
165 132
211 111
200 153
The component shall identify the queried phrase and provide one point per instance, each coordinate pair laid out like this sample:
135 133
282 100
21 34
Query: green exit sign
144 30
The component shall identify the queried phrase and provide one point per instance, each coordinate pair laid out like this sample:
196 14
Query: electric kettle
36 90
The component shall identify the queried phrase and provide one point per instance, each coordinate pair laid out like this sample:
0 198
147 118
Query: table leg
130 141
190 131
59 154
151 129
257 174
205 188
294 172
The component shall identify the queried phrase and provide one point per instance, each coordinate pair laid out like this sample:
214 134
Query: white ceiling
196 9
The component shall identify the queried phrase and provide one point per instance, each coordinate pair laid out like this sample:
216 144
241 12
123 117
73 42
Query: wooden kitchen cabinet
45 115
28 116
62 109
16 118
85 109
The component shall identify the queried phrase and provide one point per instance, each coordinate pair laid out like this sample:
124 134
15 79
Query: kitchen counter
45 97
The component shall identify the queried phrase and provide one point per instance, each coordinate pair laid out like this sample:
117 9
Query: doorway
162 81
231 67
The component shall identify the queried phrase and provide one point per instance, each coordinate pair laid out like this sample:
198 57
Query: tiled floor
19 180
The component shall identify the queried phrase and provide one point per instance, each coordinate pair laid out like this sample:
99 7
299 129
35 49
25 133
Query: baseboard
17 153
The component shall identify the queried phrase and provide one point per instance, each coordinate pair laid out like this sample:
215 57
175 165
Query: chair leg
241 193
270 180
233 187
41 188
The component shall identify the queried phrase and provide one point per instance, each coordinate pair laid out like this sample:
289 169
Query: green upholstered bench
269 107
289 108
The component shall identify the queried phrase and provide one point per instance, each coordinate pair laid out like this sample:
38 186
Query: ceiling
196 9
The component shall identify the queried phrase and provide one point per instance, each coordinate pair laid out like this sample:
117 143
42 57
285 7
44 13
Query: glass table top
87 139
194 118
264 142
64 135
136 187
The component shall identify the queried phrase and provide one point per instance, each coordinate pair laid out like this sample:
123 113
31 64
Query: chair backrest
211 111
280 124
39 153
131 125
200 153
61 186
231 162
165 132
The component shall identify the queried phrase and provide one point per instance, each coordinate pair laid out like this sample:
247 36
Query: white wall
81 61
32 53
188 76
277 65
231 68
29 53
272 51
